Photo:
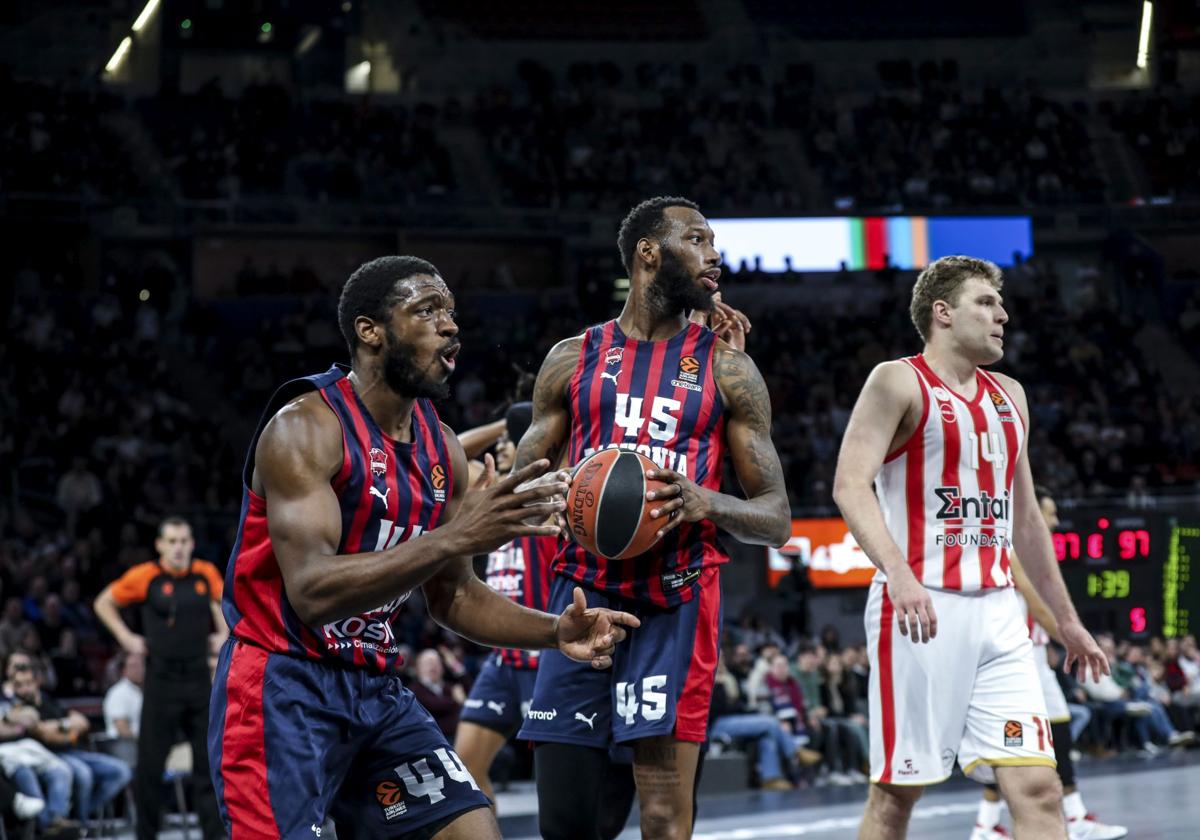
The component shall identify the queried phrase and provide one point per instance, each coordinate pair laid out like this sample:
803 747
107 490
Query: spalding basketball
607 510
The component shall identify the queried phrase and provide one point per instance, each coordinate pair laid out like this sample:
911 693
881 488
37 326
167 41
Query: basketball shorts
970 694
660 682
292 741
500 696
1052 693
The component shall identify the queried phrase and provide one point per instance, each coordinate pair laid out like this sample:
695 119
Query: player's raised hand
495 513
1082 649
730 325
683 500
913 605
590 634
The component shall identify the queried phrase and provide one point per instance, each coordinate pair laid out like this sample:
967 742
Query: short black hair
1041 491
371 291
647 221
173 521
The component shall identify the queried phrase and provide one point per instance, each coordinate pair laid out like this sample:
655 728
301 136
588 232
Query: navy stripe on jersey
661 399
520 570
388 492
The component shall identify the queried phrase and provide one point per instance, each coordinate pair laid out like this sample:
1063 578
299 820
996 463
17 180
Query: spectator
97 778
13 626
442 698
78 492
123 701
731 719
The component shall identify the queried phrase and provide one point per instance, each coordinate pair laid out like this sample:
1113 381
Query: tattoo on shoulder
556 373
743 388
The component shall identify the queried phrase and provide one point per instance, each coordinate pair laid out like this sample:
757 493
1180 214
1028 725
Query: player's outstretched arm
546 436
460 601
764 516
1031 539
883 412
298 453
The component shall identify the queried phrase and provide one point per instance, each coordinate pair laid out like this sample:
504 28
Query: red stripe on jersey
951 455
887 704
914 488
608 341
243 746
653 377
917 438
986 476
1012 446
258 569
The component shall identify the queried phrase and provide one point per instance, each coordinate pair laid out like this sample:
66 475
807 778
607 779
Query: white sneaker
1137 708
996 833
1179 739
27 807
1090 828
856 777
840 779
1150 749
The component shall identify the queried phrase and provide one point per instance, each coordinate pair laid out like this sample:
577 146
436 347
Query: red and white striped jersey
946 493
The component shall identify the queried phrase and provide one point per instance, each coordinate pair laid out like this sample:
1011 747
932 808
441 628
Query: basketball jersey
659 398
388 492
1037 633
946 494
521 571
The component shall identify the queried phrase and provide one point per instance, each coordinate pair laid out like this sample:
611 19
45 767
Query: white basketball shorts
970 694
1052 693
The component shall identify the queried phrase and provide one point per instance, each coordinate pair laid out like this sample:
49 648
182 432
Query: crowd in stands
1162 129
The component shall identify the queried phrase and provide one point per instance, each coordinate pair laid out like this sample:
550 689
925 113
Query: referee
179 600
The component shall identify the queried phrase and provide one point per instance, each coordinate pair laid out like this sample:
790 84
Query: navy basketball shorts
292 741
500 696
660 682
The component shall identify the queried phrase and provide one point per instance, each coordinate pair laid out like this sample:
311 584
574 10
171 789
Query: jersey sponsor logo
948 757
981 540
505 571
947 411
437 477
907 769
374 491
498 708
666 458
541 714
983 506
590 721
1014 733
472 703
371 631
677 580
606 375
378 460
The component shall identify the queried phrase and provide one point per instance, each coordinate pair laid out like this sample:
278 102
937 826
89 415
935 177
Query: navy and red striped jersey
521 571
661 399
389 491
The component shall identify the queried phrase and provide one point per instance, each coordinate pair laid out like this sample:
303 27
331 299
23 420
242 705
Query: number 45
654 700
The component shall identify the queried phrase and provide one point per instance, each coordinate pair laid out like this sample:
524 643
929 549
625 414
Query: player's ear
647 251
369 332
941 312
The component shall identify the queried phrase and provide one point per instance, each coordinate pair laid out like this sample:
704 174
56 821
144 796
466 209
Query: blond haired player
942 443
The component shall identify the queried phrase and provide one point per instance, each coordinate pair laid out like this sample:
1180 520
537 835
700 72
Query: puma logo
590 721
383 495
498 708
606 375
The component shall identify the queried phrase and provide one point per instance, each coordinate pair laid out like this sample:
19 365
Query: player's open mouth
710 279
449 355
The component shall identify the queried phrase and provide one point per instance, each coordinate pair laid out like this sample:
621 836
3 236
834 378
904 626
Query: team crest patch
1014 733
941 394
947 411
377 459
437 477
391 800
613 356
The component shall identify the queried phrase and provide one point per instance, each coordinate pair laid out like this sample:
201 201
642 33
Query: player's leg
573 791
988 817
194 723
889 808
161 709
477 746
1034 797
664 770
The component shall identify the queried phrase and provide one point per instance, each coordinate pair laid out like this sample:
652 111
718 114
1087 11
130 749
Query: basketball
607 510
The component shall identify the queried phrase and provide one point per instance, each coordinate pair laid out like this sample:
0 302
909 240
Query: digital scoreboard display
1181 578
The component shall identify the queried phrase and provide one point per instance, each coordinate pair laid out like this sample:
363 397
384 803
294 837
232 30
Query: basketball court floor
1157 798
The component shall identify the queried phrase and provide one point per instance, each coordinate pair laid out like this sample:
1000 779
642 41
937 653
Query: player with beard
309 718
670 388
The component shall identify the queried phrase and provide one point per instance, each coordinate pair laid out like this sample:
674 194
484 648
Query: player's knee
1037 788
894 801
561 821
664 818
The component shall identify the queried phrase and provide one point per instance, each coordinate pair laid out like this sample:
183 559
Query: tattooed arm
764 516
547 434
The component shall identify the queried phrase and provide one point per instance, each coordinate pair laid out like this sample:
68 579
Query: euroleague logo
377 459
689 374
1003 409
437 477
1014 733
391 799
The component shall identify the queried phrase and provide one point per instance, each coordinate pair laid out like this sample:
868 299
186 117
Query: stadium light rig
144 17
119 55
123 48
1143 54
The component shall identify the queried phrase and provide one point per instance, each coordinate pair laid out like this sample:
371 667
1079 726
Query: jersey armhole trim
995 381
919 431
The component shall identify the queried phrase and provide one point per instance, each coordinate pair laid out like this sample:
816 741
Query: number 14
990 446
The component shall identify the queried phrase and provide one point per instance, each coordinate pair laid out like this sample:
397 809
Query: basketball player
519 570
653 381
1080 824
943 442
347 470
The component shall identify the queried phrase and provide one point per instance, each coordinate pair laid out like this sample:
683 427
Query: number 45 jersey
661 399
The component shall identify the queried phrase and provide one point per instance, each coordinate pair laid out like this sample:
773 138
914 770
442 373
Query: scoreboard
1131 573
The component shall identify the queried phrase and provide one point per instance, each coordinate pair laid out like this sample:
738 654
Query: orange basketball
607 510
388 793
